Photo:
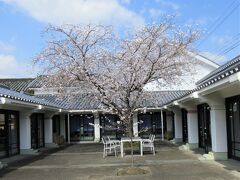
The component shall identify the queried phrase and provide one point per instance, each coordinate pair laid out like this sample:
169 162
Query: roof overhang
83 111
7 101
224 83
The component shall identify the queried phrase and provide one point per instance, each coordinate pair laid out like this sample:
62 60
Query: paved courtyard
84 161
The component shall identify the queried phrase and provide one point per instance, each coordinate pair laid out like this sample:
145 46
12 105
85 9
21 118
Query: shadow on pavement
13 165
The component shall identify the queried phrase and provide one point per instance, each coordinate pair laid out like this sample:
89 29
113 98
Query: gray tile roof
77 102
7 93
160 98
36 82
84 102
88 102
74 102
20 84
218 74
62 102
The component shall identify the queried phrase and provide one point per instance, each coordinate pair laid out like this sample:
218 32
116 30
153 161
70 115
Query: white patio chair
149 139
149 143
115 141
109 146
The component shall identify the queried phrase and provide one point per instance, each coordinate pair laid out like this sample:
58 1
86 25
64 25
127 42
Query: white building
206 116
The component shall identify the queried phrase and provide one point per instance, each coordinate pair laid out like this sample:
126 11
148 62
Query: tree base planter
129 171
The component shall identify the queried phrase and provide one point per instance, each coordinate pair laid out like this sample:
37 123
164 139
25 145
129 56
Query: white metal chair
149 139
115 141
109 146
149 143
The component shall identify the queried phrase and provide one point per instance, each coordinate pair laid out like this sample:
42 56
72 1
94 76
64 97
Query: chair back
103 140
153 138
150 136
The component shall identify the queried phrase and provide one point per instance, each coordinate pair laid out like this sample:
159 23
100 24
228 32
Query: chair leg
103 153
153 150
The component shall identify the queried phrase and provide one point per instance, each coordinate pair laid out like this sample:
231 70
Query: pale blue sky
21 23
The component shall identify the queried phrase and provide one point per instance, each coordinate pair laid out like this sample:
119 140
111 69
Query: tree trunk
131 136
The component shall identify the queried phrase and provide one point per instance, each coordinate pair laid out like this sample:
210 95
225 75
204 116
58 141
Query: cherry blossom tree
113 68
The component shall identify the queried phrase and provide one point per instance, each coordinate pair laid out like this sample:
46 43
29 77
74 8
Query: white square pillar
219 132
48 130
96 127
192 129
25 133
177 125
135 124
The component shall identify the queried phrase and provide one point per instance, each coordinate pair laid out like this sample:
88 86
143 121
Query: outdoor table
134 139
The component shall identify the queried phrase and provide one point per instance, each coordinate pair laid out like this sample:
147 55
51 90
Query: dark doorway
111 126
80 128
66 127
56 125
184 126
37 130
173 125
233 127
152 124
204 127
9 133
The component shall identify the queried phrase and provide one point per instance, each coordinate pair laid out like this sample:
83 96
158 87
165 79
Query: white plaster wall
25 130
178 123
199 69
218 122
48 131
218 129
192 127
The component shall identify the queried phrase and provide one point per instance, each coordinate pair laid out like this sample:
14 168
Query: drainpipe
68 122
162 124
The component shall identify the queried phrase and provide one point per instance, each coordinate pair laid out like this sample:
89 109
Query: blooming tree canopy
112 68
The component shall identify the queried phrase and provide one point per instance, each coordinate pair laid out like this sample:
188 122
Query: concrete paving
84 161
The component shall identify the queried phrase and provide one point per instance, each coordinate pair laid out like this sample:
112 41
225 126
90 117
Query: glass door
87 130
80 128
75 128
157 125
33 132
184 126
233 127
37 130
13 129
56 125
40 130
9 133
204 127
145 127
151 124
110 126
